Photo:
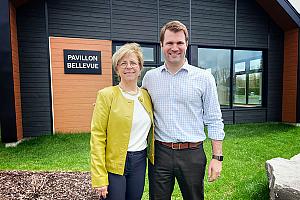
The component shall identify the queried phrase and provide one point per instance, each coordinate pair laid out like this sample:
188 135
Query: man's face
174 48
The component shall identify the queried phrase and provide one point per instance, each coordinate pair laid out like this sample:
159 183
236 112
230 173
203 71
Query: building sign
82 62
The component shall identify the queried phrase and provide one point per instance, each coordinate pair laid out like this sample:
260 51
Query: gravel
45 185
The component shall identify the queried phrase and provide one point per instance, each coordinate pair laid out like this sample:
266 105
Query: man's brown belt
180 145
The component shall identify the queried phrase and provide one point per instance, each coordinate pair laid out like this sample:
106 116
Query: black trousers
130 186
187 166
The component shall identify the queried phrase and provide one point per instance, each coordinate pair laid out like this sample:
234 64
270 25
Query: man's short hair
174 26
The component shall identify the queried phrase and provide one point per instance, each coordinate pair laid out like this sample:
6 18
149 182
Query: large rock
284 178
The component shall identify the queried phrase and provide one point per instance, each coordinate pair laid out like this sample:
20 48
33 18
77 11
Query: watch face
219 158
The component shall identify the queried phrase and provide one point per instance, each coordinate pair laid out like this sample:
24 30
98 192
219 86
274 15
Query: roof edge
290 10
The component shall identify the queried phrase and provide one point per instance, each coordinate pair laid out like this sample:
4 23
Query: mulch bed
45 185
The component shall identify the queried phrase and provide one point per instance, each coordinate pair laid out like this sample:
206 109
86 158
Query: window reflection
162 58
148 53
255 88
247 79
217 61
239 66
255 64
247 69
240 89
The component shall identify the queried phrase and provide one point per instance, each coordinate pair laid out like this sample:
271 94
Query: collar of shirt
185 67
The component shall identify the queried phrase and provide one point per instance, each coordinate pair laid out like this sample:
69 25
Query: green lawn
246 148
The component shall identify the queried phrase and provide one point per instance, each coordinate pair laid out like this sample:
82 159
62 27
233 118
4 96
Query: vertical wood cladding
74 94
290 68
213 22
274 71
251 25
167 10
134 20
16 72
34 69
84 19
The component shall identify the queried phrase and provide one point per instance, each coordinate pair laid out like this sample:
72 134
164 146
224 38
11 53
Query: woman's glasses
125 64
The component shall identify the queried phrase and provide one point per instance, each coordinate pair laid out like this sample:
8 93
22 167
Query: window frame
232 76
247 72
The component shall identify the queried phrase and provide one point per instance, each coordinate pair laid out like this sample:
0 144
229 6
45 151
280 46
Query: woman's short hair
174 26
125 50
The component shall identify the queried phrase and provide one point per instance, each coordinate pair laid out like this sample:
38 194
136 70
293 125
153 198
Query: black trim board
7 100
48 60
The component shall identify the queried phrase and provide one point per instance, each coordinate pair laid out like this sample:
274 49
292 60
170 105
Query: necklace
132 93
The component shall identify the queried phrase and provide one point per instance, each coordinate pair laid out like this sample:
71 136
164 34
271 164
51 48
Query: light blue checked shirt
183 103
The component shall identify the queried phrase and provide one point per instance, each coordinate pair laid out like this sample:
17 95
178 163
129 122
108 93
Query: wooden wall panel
129 25
289 97
251 25
212 22
16 71
74 94
84 19
250 116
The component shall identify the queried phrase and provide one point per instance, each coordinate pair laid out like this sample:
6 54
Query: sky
296 4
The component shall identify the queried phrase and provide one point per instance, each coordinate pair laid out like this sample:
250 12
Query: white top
141 124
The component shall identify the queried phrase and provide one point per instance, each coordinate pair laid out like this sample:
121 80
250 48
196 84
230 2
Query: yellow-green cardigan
110 133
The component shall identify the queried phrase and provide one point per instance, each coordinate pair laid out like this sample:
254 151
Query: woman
122 121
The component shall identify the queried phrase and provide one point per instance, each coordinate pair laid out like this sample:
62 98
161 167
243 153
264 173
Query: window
217 61
244 88
151 60
148 53
247 78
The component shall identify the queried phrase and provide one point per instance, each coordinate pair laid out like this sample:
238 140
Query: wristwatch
219 158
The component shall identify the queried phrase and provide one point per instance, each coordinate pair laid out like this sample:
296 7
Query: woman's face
129 68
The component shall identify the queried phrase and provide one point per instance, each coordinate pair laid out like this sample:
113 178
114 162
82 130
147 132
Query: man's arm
215 166
217 147
213 119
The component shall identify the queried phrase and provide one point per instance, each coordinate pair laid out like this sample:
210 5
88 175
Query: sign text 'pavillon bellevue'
82 62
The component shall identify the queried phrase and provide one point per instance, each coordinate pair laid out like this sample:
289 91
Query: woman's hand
102 191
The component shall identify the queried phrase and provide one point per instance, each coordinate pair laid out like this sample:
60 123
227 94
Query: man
184 99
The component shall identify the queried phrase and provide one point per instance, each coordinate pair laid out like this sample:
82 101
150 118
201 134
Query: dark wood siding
134 20
251 25
86 19
167 9
249 116
213 22
34 69
228 116
274 72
